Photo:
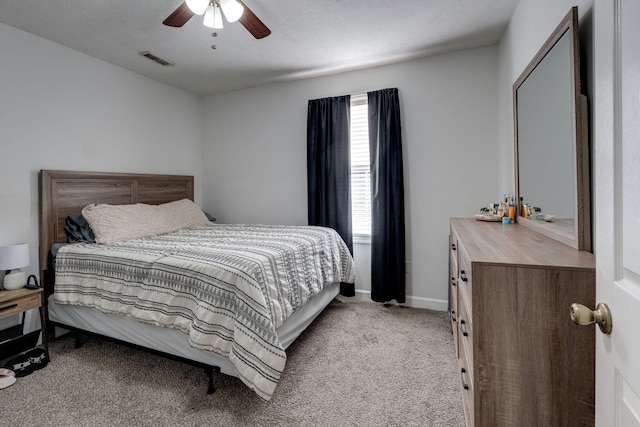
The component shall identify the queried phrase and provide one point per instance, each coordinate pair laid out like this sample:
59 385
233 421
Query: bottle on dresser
512 208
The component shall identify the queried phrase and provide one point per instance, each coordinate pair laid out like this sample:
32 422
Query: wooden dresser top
497 243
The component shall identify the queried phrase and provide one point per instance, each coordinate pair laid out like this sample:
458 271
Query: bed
209 294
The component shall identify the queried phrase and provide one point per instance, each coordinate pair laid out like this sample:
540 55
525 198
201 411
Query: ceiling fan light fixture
217 17
197 6
232 9
213 17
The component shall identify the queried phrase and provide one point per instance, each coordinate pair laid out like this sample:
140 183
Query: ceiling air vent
154 58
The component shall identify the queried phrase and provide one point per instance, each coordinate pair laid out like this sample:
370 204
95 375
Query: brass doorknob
582 315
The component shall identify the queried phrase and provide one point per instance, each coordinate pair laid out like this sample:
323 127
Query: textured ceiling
309 37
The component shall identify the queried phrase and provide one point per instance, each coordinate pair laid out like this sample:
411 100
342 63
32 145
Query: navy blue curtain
387 197
329 165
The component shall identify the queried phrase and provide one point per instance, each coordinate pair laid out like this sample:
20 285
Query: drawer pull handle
8 307
464 385
453 316
463 328
463 275
453 281
453 246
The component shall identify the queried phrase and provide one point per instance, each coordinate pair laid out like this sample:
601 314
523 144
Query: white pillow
115 223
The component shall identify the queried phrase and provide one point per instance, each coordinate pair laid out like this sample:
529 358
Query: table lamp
13 257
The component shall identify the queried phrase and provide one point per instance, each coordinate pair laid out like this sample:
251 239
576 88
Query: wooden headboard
63 193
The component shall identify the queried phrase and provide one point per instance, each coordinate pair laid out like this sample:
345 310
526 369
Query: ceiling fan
233 10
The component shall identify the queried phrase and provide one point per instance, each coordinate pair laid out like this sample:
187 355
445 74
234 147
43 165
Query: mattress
227 288
171 341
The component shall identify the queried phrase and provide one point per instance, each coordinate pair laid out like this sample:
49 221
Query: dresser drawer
453 287
465 337
467 386
453 252
465 287
453 295
465 359
453 292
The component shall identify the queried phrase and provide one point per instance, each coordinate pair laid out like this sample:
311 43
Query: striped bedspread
229 287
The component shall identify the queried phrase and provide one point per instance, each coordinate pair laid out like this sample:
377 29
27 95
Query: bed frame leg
79 341
209 370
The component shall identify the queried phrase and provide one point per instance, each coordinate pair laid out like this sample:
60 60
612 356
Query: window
360 169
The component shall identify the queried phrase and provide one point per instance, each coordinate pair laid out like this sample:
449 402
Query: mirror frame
581 237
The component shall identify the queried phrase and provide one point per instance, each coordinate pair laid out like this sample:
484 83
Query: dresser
521 360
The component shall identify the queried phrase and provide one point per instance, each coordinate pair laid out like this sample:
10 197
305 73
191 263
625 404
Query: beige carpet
358 364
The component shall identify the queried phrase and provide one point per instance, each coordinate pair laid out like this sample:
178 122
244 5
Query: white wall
255 153
60 109
531 24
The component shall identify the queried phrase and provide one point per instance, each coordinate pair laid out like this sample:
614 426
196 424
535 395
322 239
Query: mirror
551 145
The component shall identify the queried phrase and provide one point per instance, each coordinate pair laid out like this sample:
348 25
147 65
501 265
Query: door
617 208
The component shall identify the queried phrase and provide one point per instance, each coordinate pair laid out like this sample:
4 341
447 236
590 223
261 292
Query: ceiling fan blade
179 17
253 24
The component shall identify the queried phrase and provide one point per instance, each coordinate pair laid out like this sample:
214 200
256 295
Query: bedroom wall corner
64 110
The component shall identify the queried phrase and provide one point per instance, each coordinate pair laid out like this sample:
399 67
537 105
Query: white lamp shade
14 256
197 6
217 18
232 10
213 17
208 17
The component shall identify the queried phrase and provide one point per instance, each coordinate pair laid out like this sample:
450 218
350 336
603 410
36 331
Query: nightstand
13 340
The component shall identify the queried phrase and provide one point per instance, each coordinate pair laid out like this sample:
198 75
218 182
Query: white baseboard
411 301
